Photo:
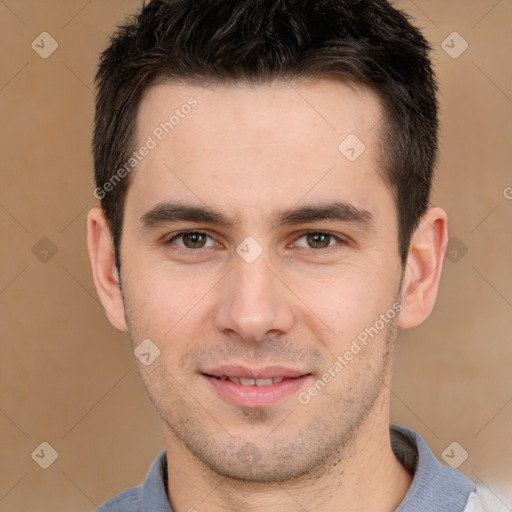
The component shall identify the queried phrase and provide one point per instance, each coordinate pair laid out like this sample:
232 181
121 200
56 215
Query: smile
251 382
255 392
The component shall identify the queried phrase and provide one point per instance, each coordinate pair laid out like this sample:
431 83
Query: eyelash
340 241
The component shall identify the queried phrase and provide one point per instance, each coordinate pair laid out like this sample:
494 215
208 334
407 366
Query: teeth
253 382
263 382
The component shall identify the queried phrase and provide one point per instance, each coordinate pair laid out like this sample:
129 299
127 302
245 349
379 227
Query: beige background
69 379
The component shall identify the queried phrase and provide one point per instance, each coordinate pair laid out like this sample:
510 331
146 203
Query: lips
252 382
268 372
255 387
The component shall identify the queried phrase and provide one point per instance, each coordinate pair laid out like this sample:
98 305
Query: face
255 248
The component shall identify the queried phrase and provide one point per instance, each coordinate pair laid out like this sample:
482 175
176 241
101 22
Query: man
264 169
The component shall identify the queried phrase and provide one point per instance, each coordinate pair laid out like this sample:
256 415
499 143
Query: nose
255 304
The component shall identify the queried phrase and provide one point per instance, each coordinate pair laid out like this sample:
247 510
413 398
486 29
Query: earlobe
106 279
423 268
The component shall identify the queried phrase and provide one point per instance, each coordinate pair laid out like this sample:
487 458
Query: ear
423 268
106 279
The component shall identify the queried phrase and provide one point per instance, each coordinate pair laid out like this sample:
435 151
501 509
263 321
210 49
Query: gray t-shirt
435 487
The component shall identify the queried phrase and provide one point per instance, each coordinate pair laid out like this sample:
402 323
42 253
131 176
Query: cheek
162 298
349 299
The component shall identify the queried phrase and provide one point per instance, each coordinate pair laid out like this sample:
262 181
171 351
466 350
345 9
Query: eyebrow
168 212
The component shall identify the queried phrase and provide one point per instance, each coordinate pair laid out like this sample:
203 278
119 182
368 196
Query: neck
364 475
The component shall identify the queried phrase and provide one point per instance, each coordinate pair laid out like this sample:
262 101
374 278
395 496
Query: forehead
323 106
252 146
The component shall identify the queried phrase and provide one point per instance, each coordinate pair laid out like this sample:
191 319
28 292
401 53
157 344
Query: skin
248 151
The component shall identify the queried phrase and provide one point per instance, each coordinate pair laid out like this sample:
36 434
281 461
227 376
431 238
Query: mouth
255 388
250 382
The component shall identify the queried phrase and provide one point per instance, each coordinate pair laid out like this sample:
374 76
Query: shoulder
148 496
435 486
127 501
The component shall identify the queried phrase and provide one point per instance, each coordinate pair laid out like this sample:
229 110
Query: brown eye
318 240
191 239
